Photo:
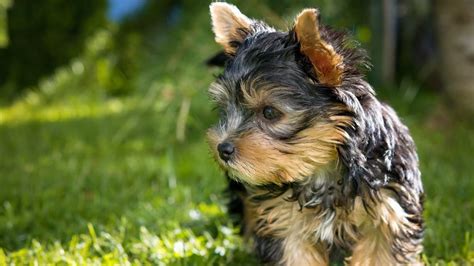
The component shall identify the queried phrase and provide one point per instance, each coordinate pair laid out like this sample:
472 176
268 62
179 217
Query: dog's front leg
391 236
293 250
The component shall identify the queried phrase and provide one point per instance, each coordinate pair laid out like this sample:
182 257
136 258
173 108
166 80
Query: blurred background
103 112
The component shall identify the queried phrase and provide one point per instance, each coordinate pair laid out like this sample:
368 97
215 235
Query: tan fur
273 217
372 249
309 224
315 148
227 24
304 230
379 232
327 63
282 219
249 218
301 252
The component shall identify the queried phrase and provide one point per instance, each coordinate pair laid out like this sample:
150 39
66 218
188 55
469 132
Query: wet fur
339 171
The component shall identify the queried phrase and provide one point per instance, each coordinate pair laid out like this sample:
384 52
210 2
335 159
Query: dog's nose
225 149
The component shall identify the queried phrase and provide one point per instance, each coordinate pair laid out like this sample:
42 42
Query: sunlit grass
22 113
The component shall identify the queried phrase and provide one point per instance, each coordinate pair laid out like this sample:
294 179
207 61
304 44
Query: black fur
218 60
268 249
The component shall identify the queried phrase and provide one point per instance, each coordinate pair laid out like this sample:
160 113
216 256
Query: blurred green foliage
91 178
44 35
4 5
416 59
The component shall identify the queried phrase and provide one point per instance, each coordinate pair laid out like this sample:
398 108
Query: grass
91 179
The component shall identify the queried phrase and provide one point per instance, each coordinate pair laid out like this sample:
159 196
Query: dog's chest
283 218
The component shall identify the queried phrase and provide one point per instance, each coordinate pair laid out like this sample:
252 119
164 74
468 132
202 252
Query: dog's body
315 161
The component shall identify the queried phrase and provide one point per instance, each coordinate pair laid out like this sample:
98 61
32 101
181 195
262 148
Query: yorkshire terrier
316 164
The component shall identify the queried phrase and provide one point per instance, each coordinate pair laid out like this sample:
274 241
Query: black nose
226 149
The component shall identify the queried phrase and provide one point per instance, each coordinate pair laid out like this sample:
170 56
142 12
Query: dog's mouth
237 176
233 174
231 167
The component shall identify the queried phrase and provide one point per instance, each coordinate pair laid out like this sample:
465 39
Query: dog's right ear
327 63
230 26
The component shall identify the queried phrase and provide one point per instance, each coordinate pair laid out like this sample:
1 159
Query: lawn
89 178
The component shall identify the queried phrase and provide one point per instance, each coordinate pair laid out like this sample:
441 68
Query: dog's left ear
230 26
327 63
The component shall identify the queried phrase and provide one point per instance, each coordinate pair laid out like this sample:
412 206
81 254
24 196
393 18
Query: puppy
315 162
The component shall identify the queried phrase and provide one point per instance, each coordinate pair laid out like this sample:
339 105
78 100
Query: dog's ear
230 26
327 63
218 60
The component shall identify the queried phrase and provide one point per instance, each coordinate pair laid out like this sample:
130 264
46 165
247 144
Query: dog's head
286 99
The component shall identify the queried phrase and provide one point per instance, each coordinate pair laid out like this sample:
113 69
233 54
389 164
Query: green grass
90 179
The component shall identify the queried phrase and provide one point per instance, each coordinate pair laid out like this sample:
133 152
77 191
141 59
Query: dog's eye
271 113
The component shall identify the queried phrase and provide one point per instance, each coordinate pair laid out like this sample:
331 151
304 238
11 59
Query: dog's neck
325 188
